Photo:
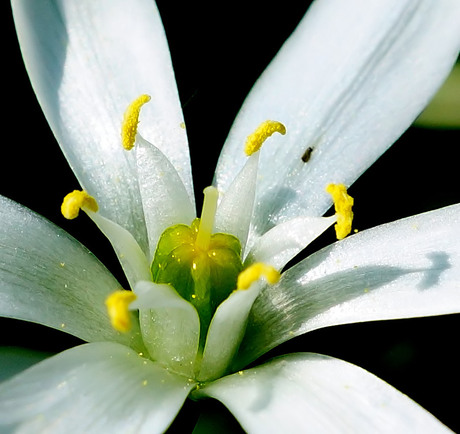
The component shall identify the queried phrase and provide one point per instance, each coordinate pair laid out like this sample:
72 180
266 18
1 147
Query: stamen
117 307
208 214
255 141
254 272
343 203
75 201
130 122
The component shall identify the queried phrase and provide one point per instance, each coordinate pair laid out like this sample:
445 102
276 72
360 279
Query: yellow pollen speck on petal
255 141
75 201
117 307
130 122
343 204
254 272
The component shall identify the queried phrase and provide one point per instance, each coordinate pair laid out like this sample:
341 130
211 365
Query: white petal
226 331
347 83
310 393
48 277
87 61
93 388
164 196
170 326
282 243
135 265
408 268
233 215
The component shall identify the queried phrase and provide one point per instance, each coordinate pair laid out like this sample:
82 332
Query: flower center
203 267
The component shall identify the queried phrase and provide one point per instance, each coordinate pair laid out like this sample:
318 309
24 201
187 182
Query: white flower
346 84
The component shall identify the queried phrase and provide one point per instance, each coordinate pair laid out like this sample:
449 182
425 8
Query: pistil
208 214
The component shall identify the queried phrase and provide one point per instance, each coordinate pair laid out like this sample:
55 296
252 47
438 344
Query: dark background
218 52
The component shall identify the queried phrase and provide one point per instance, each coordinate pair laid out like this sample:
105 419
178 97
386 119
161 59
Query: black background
218 51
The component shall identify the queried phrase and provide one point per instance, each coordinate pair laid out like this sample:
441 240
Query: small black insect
307 154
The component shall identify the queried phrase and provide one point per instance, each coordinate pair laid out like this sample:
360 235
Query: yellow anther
75 201
343 203
130 122
117 307
254 272
262 133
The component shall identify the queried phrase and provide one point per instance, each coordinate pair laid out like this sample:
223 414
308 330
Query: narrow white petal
351 78
132 258
235 210
408 268
310 393
87 61
282 243
48 277
226 331
164 197
93 388
170 326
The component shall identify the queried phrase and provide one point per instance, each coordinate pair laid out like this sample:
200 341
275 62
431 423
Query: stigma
131 121
343 204
118 309
75 201
255 140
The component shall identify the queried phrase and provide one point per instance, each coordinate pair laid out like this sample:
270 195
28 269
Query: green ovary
204 277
